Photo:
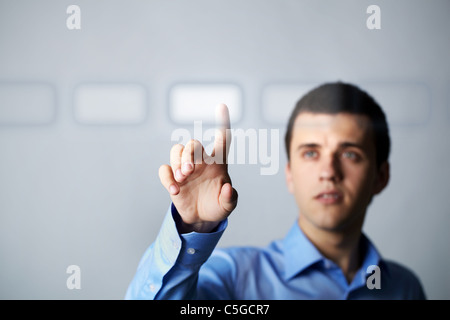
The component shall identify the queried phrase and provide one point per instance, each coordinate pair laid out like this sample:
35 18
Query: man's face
332 170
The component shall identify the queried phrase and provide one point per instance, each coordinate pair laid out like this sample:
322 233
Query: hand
198 183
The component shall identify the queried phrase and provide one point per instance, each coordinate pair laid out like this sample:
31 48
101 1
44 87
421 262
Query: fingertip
187 168
228 197
221 106
222 115
227 190
174 189
179 176
168 180
229 193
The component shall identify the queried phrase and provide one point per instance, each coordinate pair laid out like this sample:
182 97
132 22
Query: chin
333 222
342 224
329 226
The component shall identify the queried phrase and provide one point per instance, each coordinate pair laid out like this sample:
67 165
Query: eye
310 154
351 155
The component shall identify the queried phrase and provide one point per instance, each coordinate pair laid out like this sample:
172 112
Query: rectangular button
197 102
279 100
403 103
26 103
110 104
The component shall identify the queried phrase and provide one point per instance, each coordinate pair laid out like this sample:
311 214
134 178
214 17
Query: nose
330 169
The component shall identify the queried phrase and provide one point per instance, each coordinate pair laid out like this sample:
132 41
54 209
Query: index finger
223 135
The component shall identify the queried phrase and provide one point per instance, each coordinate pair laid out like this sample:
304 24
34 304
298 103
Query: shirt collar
371 254
300 253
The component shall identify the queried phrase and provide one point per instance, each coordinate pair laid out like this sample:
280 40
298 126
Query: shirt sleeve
169 267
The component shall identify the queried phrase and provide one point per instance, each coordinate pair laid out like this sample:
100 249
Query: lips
329 197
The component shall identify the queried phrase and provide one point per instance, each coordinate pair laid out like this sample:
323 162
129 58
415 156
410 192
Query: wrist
200 227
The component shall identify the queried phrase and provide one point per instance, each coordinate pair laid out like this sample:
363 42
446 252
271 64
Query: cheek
359 181
302 178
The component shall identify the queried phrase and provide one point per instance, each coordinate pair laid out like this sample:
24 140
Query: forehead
341 126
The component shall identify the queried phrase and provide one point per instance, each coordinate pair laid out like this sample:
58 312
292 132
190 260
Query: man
337 143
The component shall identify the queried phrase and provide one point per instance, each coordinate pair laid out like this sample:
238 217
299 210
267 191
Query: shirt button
191 250
152 287
175 244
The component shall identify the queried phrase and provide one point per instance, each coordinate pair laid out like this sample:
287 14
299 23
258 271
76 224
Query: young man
337 142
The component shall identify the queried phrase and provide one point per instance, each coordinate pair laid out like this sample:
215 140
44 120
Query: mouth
329 197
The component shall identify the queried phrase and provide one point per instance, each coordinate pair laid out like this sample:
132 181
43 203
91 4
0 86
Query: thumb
228 198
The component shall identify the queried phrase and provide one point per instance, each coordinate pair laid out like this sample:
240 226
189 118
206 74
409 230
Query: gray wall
88 193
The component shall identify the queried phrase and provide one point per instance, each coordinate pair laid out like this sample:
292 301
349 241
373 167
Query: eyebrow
342 145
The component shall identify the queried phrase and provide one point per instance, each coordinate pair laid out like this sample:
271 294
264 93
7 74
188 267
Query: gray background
89 195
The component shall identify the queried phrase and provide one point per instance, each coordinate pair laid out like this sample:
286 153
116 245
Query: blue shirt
187 266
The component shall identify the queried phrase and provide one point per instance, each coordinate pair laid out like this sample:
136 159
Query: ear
288 174
382 178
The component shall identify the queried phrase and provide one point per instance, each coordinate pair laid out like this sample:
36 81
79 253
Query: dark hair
338 97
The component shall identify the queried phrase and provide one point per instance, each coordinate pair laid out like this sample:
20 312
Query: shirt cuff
197 247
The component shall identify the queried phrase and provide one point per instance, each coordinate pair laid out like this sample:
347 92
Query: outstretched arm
202 198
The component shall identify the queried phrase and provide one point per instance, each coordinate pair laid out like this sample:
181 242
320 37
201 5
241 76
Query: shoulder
402 278
395 270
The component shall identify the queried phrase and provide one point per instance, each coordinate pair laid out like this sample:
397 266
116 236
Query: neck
341 247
